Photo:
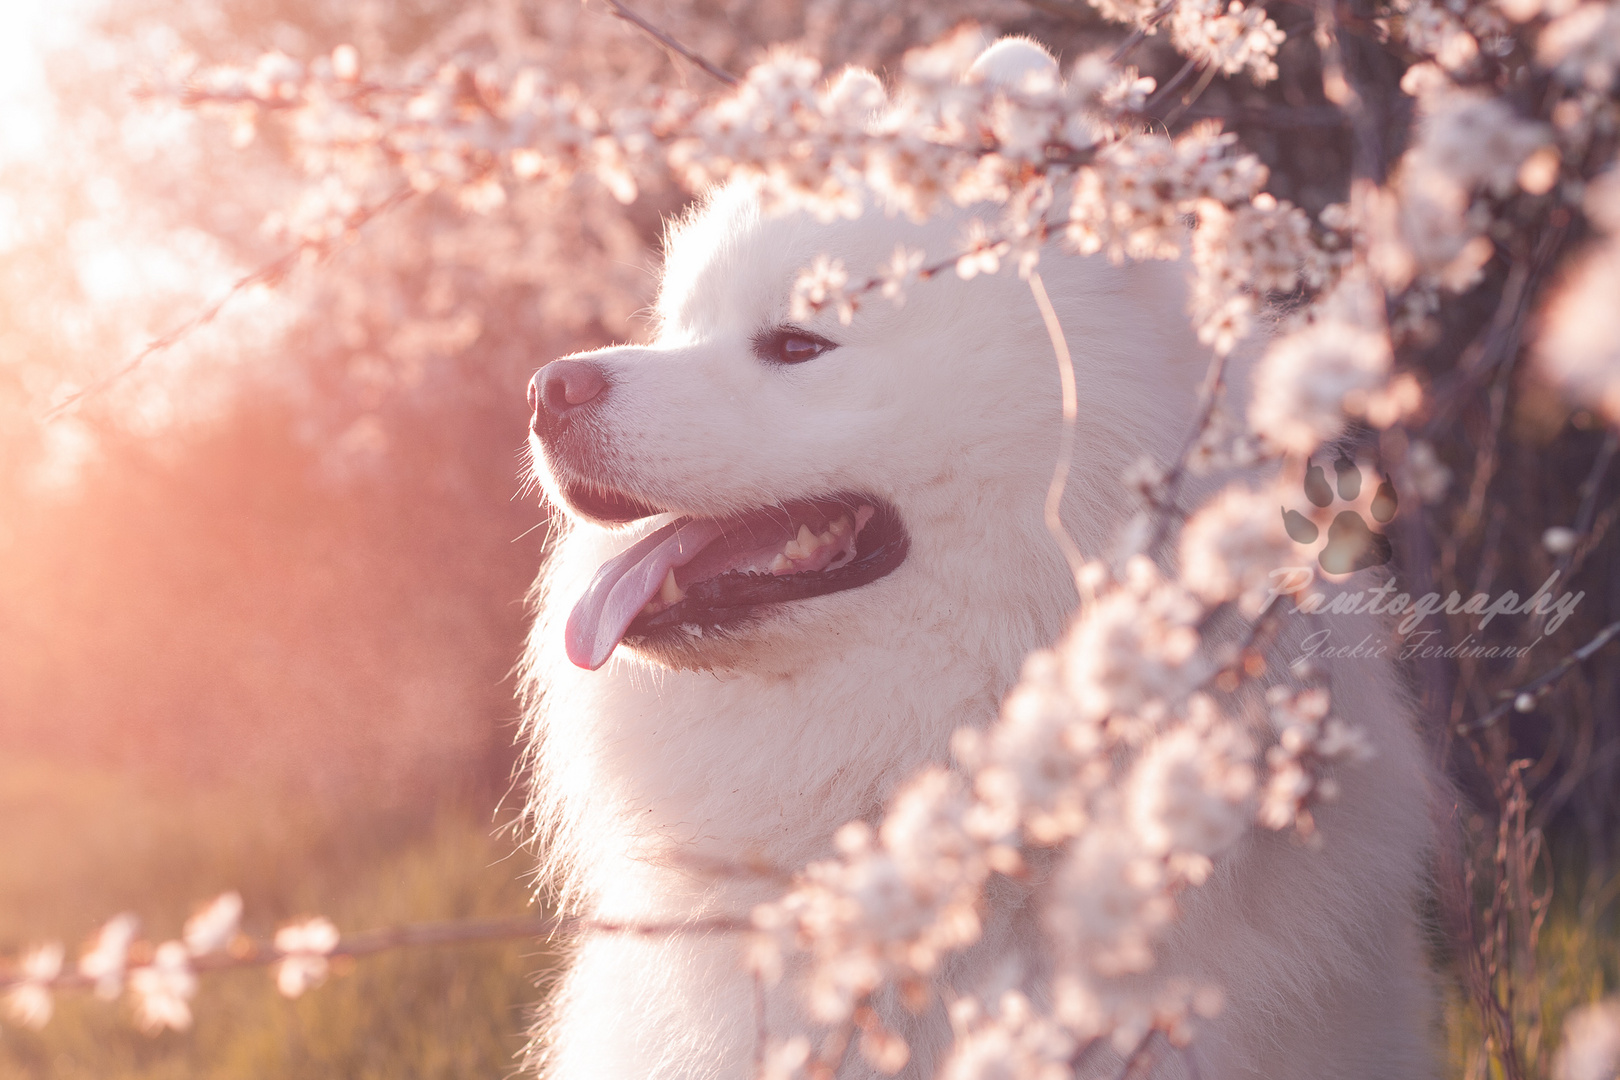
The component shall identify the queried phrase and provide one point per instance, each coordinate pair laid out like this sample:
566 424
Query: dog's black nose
563 386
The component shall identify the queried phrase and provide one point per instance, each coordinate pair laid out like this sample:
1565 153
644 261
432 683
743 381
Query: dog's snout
565 385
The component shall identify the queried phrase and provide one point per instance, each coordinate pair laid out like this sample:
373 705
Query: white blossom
212 928
823 285
785 1058
1015 1042
1188 796
304 947
1110 901
1231 545
1336 363
1579 346
900 272
1427 475
1559 540
1036 767
1128 655
104 962
1310 743
1591 1049
1583 46
1228 37
1434 30
164 988
29 1001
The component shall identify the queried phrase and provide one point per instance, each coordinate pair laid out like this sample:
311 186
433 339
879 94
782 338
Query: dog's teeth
824 539
841 527
782 564
806 539
671 592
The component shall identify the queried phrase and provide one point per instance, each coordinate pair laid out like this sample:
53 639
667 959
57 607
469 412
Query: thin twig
1190 98
1589 492
1164 500
246 952
670 43
1538 686
1171 86
1135 37
1338 88
270 273
1141 1058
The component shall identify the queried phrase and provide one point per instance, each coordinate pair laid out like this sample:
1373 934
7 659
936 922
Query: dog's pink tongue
624 584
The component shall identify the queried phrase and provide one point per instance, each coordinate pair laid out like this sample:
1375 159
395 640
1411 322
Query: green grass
78 846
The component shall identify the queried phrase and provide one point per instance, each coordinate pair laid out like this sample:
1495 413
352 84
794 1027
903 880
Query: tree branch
670 43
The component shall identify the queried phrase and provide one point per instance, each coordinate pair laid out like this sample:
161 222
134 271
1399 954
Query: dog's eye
790 345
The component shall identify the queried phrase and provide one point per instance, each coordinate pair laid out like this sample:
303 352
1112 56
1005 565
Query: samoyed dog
792 557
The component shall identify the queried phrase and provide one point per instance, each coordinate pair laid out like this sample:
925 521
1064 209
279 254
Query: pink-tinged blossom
1110 900
1227 36
1583 46
1036 767
29 1001
304 947
1015 1042
899 273
1434 30
1472 139
1337 362
785 1059
212 928
1126 1011
1244 251
104 962
1310 745
1231 546
1133 201
1579 345
1129 654
164 988
981 253
1467 144
823 284
1188 797
889 907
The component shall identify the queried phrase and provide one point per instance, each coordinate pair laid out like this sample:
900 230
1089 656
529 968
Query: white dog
796 557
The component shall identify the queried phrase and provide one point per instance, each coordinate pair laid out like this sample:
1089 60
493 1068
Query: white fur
657 789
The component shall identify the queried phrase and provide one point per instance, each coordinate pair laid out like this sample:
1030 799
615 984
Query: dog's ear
1015 62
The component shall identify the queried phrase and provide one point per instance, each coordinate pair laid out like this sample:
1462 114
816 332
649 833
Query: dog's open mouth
696 574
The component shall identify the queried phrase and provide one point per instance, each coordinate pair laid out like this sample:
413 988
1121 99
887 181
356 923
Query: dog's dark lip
733 597
605 505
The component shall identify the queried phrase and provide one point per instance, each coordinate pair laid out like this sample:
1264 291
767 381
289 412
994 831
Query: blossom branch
669 42
270 274
1523 698
163 978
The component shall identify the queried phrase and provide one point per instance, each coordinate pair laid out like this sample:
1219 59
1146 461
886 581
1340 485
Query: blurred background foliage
260 599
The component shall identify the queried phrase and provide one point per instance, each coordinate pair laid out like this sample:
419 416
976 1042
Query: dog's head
760 472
